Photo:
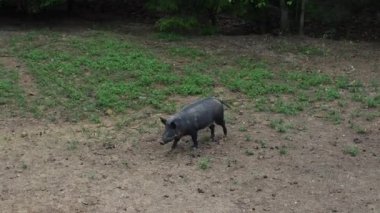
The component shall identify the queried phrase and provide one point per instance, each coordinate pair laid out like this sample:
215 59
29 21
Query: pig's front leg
194 137
175 143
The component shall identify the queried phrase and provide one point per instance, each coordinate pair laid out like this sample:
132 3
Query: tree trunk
70 6
284 24
302 17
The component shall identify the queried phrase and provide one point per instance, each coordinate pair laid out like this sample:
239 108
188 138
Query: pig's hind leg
223 124
212 128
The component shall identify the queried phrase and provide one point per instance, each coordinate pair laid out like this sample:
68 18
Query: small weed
288 108
373 102
351 150
283 150
262 143
242 129
95 118
249 152
328 94
91 175
334 116
262 104
72 145
342 103
204 163
370 116
125 163
248 138
342 82
23 165
358 129
280 126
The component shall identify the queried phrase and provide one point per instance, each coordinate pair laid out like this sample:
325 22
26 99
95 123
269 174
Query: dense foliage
322 17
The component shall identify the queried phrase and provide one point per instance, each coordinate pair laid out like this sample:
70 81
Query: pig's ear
163 120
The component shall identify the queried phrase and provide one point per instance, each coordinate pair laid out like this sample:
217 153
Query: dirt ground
84 167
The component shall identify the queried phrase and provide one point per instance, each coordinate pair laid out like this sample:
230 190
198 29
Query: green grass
248 138
10 92
353 151
82 76
283 150
204 163
170 36
72 145
303 49
334 116
249 152
280 125
186 52
262 143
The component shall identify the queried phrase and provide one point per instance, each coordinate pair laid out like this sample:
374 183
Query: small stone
357 140
109 112
166 196
265 176
259 190
24 134
200 190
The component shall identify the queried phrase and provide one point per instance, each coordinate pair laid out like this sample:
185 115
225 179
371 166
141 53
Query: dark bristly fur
193 117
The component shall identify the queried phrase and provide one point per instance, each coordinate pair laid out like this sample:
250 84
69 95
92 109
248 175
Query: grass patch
280 126
186 52
10 92
328 94
283 150
204 163
249 152
248 138
170 36
353 151
288 108
334 116
83 76
72 145
262 143
358 129
304 49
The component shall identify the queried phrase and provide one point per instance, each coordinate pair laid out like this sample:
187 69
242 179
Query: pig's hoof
195 152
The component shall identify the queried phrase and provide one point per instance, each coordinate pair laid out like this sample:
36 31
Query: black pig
198 115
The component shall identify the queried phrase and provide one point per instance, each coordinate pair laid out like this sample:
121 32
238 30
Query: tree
302 17
284 22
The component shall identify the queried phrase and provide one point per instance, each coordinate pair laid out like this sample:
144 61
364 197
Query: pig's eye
173 125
